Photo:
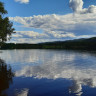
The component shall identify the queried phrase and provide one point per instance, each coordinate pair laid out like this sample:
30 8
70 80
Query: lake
39 72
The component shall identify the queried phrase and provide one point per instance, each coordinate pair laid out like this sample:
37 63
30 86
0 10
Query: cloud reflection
54 71
78 67
23 92
76 88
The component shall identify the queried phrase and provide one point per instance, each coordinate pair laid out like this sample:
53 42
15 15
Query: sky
38 21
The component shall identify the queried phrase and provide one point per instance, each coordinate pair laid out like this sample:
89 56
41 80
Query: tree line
79 44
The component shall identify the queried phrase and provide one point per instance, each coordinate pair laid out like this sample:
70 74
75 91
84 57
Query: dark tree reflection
6 75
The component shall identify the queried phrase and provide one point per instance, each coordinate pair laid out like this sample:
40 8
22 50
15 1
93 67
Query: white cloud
16 35
60 27
77 7
32 34
22 1
45 22
57 27
85 36
31 40
59 34
69 23
56 22
35 37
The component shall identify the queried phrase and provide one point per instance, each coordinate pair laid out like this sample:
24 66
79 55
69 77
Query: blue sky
51 20
40 7
37 7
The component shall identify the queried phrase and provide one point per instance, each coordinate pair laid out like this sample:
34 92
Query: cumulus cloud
77 7
46 34
59 26
35 37
32 34
22 1
56 22
44 22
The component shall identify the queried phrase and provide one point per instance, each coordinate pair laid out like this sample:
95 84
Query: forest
77 44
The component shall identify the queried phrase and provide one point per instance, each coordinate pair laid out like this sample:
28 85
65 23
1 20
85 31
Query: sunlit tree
6 29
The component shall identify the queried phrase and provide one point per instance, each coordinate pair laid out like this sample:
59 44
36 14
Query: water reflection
23 92
76 88
78 67
77 85
80 75
6 76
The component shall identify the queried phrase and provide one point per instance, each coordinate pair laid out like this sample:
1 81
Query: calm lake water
47 73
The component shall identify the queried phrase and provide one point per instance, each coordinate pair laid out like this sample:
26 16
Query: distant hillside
77 44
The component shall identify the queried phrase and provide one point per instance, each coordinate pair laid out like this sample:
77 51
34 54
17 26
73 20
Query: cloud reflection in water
53 70
78 67
23 92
